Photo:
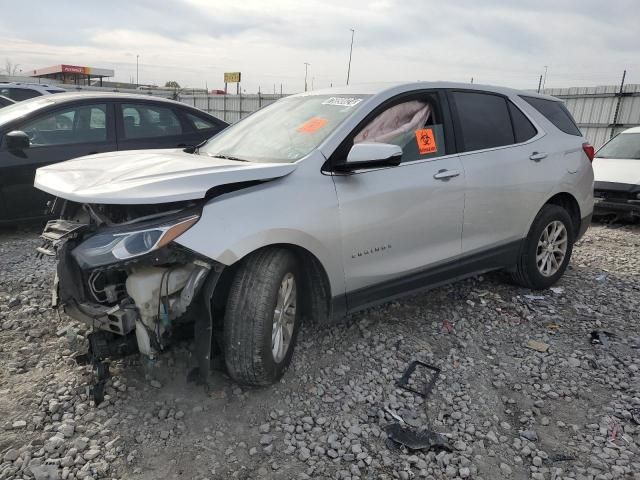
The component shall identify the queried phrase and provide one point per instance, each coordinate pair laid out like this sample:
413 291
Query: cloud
195 41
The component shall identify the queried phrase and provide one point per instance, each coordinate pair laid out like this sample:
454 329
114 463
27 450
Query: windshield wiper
228 157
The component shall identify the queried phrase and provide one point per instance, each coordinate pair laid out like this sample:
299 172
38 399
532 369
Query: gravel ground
508 410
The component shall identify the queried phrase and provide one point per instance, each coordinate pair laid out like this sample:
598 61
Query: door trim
434 276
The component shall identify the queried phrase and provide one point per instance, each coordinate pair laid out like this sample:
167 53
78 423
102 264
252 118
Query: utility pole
137 70
544 82
350 52
539 83
306 66
615 115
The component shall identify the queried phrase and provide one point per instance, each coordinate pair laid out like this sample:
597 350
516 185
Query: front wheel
262 317
547 249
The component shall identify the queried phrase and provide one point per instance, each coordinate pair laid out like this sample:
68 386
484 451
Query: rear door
60 134
399 221
505 179
145 125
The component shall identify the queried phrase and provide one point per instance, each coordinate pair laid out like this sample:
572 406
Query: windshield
625 145
20 109
285 131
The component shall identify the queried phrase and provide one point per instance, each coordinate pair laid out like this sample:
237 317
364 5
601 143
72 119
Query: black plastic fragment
600 337
416 440
404 381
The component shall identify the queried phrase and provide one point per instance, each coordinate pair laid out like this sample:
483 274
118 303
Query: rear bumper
620 206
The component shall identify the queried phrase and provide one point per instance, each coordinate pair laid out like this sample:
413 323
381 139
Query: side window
556 113
414 125
19 94
83 124
522 127
484 120
199 123
148 121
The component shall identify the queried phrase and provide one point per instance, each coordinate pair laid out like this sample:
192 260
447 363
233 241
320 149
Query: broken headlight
110 247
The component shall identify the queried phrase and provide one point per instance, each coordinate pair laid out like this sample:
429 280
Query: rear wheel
547 249
262 317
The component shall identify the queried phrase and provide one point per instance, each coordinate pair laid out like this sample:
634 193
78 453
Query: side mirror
371 155
17 141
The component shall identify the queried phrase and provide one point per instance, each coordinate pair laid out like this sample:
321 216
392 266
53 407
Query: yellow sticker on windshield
312 125
426 141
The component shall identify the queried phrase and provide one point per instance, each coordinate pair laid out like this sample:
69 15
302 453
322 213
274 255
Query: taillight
589 150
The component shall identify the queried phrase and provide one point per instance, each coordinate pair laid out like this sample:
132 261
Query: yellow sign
232 77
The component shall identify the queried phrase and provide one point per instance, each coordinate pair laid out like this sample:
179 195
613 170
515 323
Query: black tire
248 320
527 273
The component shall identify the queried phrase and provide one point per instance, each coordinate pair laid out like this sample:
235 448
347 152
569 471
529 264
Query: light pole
350 52
137 78
306 66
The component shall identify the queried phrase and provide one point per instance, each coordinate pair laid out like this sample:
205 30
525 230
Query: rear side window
199 123
484 120
556 113
148 121
523 129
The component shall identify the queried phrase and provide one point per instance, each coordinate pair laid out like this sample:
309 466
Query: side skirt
496 258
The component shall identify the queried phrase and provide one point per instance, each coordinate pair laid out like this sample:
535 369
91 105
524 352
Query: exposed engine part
106 287
56 232
103 345
162 294
120 319
143 339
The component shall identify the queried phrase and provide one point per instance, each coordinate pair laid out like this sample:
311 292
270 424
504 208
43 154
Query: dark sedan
54 128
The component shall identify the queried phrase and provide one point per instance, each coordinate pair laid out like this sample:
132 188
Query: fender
235 224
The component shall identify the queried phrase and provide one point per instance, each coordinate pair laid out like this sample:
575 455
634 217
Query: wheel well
315 291
570 204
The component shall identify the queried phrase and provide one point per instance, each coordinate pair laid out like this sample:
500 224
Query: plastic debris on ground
537 346
416 439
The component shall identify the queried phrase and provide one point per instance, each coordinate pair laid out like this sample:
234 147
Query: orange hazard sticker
312 125
426 141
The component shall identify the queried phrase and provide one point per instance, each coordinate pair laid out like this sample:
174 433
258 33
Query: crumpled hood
148 176
616 170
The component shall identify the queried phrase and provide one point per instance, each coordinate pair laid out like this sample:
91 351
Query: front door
397 222
55 136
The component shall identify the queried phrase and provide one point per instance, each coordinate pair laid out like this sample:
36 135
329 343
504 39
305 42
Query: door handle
92 153
182 145
445 175
537 156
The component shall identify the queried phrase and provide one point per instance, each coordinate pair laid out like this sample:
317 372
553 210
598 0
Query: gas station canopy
73 74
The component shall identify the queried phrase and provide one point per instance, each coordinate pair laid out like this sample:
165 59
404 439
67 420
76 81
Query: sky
499 42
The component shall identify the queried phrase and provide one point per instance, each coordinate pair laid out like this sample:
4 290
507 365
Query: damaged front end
120 272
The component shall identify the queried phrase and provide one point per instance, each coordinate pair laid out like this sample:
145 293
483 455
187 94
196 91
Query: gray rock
530 435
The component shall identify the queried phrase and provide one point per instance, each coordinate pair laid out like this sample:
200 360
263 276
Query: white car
616 168
18 91
319 205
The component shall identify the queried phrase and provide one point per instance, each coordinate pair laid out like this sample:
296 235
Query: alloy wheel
552 248
284 317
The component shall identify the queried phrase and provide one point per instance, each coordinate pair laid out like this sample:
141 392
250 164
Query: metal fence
229 108
602 111
599 111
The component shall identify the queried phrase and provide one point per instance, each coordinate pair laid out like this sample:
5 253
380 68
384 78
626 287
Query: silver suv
317 206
